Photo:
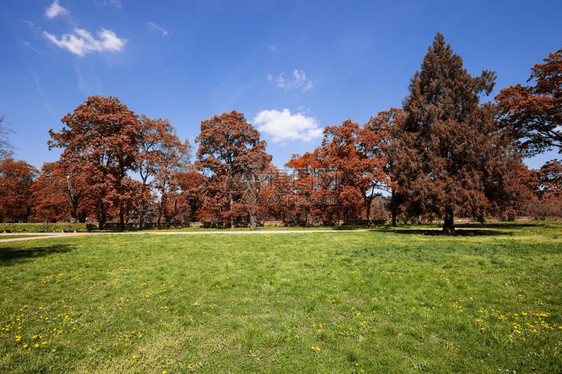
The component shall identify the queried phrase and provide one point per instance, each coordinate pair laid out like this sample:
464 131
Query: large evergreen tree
451 158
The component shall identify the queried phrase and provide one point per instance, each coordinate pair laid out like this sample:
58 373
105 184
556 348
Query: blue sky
292 67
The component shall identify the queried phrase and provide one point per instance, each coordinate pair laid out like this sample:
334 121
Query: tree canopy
450 156
534 113
444 154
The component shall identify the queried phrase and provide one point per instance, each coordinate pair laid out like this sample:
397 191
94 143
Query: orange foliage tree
16 193
339 180
100 144
161 158
534 113
232 157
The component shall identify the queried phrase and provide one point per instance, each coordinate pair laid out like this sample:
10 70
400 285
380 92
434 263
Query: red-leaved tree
534 113
100 145
16 193
232 157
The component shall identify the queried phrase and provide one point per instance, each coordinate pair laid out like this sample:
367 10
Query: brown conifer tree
451 158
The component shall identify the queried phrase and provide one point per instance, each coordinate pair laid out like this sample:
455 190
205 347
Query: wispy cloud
31 25
82 42
155 27
297 80
286 126
28 45
55 10
115 3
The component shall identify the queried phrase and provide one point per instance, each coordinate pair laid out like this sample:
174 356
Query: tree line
444 154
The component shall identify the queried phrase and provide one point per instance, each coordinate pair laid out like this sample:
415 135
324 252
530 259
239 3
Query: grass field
483 301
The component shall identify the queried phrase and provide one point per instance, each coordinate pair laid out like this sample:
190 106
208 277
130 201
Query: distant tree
100 144
340 179
550 181
192 185
60 194
232 157
534 113
162 155
384 128
5 146
309 196
451 157
50 194
16 194
278 197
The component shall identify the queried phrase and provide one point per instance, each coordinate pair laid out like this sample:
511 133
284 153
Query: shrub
56 227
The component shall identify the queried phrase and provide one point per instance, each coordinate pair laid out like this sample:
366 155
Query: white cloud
286 126
297 80
82 42
55 10
155 27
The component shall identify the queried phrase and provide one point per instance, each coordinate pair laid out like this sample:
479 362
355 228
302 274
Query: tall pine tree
451 158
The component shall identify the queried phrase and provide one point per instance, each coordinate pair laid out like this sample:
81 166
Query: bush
56 227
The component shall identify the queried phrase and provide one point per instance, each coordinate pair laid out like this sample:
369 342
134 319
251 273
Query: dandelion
134 356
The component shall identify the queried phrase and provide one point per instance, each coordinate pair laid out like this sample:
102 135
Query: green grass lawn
375 302
11 236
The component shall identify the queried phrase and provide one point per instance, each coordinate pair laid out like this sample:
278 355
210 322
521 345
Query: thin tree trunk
121 217
231 203
101 215
72 201
394 208
141 216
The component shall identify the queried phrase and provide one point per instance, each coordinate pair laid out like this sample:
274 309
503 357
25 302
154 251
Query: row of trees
444 154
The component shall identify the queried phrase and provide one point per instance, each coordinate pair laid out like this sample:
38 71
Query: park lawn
16 236
338 302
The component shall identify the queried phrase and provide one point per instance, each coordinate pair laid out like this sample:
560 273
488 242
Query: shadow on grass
10 255
459 232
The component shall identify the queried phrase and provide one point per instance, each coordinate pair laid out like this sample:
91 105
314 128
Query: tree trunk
231 204
449 224
72 200
141 218
121 217
253 221
101 215
393 208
